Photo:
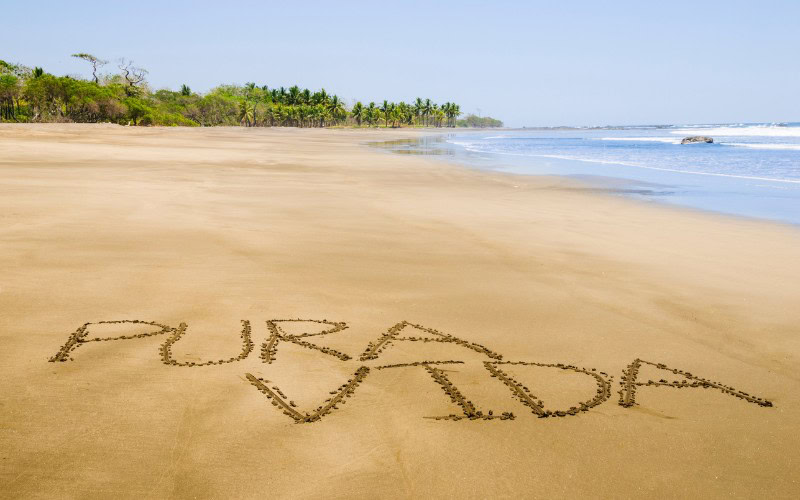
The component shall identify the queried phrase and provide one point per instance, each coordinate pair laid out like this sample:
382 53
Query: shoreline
188 245
715 192
598 183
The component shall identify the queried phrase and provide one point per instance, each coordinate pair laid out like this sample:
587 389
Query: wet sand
473 334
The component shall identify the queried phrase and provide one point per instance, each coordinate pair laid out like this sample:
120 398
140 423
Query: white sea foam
668 140
752 131
671 140
693 172
795 147
465 144
471 146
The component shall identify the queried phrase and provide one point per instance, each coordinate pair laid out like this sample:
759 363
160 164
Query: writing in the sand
277 333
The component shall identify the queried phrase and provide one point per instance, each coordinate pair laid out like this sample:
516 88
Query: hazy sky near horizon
525 62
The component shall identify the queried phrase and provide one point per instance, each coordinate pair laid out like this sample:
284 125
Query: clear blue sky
526 62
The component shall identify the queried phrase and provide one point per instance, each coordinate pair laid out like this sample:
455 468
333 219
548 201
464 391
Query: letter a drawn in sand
627 394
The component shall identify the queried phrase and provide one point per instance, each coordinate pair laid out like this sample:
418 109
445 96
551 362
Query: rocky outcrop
697 138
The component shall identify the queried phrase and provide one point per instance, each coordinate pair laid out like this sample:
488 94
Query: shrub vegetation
124 96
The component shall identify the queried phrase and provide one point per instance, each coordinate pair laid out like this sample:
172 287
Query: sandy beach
145 274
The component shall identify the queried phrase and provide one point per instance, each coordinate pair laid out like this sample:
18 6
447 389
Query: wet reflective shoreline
434 145
727 195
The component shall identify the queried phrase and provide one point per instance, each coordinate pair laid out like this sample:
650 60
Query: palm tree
455 111
336 108
246 112
427 110
403 112
438 117
385 109
327 117
294 95
418 106
315 114
321 97
279 113
358 112
393 114
371 113
302 114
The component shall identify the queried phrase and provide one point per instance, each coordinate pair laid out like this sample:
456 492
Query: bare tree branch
133 75
94 61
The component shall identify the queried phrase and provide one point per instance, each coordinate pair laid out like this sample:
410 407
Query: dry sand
210 227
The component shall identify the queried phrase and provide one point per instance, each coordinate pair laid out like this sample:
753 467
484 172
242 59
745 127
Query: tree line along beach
124 96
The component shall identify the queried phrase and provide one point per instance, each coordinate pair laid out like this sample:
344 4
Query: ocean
750 170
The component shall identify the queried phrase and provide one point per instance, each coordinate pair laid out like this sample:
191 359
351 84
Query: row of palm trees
252 113
424 113
303 108
31 94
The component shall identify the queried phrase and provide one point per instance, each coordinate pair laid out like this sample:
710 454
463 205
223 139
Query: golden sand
256 313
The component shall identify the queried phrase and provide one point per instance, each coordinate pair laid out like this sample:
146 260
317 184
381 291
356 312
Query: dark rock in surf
697 138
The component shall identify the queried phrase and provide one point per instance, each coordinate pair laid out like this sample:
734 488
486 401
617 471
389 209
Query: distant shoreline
747 176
